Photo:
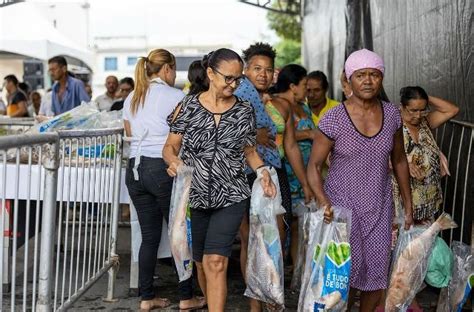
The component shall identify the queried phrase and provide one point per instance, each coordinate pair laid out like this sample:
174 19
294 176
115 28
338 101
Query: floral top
247 92
426 194
216 151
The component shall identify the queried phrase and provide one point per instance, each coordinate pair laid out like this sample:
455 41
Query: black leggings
151 196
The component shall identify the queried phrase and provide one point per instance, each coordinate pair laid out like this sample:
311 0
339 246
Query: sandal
201 304
155 303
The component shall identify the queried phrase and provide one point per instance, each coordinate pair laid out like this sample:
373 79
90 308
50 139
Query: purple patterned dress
359 180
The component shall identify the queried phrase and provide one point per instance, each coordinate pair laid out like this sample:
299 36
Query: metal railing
76 181
455 140
10 126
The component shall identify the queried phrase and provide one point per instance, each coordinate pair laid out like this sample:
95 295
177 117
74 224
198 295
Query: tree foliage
285 25
288 28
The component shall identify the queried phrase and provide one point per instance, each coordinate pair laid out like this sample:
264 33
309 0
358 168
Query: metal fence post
113 256
50 164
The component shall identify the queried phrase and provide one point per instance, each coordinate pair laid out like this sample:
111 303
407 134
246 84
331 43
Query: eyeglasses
423 112
229 79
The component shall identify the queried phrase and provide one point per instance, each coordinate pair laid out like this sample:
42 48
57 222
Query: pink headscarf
363 59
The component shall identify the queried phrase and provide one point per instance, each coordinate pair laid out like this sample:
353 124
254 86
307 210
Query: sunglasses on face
229 79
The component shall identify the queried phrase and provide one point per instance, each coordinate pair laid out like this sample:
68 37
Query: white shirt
104 102
46 108
160 101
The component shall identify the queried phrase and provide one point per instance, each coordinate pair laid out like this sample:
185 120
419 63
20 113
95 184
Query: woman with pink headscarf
361 136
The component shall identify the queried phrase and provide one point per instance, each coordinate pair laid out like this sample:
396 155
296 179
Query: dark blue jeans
151 196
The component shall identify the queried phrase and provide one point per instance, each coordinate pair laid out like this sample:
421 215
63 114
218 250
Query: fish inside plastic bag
303 237
264 273
179 230
453 297
85 116
325 282
410 262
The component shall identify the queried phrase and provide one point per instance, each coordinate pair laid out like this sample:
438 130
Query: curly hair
259 48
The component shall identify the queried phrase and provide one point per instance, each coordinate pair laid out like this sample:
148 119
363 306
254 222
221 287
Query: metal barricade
78 189
28 186
11 126
455 140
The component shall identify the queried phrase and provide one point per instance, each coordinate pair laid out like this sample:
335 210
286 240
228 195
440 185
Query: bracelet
259 167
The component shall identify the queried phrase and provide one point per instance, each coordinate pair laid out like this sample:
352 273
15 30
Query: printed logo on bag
337 268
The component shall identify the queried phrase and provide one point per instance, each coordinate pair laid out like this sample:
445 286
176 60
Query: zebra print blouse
215 152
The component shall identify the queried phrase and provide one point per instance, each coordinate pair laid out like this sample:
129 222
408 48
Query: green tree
288 28
288 52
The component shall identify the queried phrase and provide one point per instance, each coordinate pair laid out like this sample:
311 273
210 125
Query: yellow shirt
330 103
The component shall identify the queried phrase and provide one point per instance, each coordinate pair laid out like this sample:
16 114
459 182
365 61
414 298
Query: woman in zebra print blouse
215 132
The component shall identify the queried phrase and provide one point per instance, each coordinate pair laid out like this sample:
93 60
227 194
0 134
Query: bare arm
21 110
293 154
322 146
128 129
400 169
255 162
171 152
442 111
302 135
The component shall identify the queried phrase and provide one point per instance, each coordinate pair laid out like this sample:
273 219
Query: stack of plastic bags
453 297
264 274
410 262
85 116
325 282
179 230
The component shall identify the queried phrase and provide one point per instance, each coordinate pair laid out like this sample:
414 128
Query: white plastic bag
453 297
264 274
325 282
303 238
410 262
180 223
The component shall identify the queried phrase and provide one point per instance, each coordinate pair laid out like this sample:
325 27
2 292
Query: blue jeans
151 196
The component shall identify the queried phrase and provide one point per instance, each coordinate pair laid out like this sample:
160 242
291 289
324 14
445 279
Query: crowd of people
238 120
66 93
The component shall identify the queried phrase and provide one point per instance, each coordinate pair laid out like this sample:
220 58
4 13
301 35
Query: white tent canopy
24 31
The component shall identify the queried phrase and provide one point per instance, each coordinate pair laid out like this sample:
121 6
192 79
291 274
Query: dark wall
424 42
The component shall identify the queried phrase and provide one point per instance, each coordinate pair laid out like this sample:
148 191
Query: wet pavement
166 286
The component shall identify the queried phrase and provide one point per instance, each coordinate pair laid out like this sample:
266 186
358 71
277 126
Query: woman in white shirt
144 113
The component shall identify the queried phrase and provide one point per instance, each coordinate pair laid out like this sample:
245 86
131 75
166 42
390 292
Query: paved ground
167 287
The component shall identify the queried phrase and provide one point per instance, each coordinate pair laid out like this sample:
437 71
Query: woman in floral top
214 132
421 114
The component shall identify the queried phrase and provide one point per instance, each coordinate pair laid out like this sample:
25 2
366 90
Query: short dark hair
60 60
128 81
11 78
24 86
319 75
289 74
259 48
412 93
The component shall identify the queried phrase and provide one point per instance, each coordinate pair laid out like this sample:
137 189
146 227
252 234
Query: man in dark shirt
17 101
126 86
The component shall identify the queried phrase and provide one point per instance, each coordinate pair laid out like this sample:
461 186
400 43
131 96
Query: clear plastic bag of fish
303 238
264 274
410 262
179 230
72 119
325 282
453 297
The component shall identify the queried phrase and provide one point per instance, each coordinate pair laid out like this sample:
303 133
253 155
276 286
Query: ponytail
141 85
145 68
